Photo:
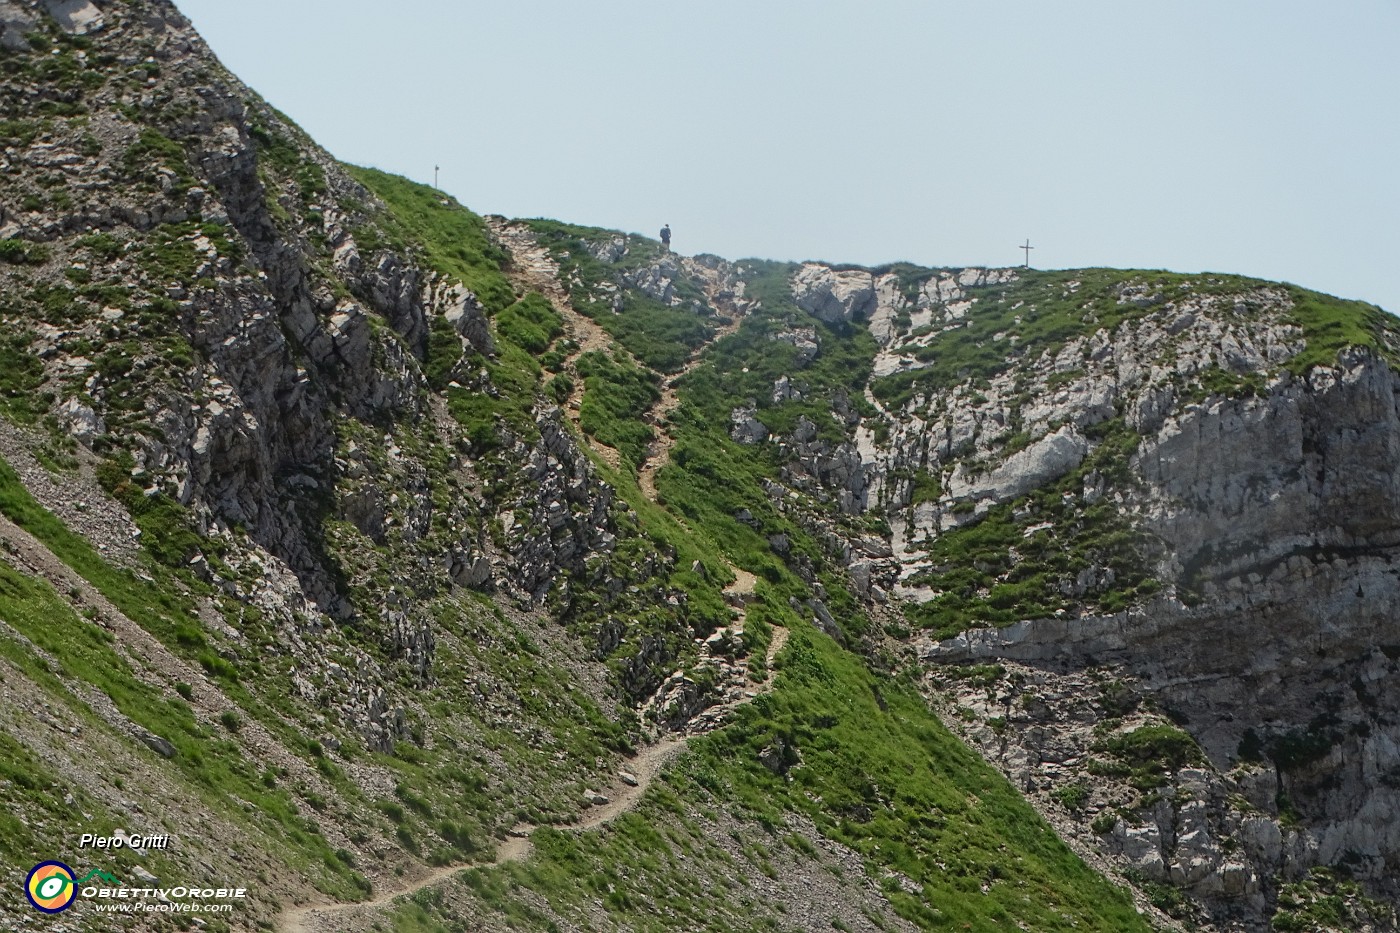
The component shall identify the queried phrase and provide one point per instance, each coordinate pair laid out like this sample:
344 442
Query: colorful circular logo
50 887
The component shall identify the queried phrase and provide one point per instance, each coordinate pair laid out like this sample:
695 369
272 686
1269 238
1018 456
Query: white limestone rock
831 296
75 17
1043 461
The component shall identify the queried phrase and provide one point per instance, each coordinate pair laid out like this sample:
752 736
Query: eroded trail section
533 269
730 310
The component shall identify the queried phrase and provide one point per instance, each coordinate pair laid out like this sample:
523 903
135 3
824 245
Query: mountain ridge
310 536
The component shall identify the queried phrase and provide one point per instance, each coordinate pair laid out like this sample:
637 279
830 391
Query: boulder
744 428
1042 462
75 17
779 757
831 296
155 743
804 340
15 24
80 421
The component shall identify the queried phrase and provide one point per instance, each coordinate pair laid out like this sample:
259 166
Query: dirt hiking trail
636 775
533 269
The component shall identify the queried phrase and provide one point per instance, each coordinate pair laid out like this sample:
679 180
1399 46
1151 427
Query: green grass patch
155 607
1331 325
213 767
454 241
167 532
616 397
21 375
925 488
531 323
103 246
19 133
880 774
30 790
288 158
169 254
487 415
21 252
661 337
1153 752
153 151
992 572
1324 899
745 365
444 353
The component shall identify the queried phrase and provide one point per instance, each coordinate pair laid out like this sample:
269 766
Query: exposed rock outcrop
833 296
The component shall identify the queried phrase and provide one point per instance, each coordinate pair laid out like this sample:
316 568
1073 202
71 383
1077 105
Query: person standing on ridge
666 238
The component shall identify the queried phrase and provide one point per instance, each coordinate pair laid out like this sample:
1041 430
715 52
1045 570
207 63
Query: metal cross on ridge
1028 247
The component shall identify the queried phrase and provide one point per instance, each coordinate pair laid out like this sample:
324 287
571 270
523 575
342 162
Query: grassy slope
215 768
445 806
878 772
1331 325
454 240
881 774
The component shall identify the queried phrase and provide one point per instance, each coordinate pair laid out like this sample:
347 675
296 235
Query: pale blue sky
1242 136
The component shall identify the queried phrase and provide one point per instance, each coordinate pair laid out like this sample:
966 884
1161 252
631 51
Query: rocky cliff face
1278 662
1177 486
1253 512
234 283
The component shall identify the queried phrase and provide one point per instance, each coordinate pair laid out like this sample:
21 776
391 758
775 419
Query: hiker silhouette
666 238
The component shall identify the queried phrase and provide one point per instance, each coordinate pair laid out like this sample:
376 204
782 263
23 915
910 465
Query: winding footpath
643 768
533 269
